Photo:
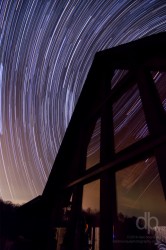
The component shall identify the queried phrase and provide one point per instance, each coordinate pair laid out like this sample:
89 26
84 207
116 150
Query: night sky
46 50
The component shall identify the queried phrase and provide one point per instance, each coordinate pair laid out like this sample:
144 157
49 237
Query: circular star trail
46 50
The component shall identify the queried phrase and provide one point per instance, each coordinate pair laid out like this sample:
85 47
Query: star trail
46 50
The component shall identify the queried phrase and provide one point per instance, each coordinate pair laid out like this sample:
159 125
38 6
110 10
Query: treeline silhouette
26 228
128 235
87 221
8 224
20 227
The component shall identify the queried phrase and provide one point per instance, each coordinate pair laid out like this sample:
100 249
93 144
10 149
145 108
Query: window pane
118 75
93 151
90 213
141 205
129 120
60 231
159 79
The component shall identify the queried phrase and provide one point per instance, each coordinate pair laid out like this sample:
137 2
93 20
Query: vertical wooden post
107 180
73 234
155 117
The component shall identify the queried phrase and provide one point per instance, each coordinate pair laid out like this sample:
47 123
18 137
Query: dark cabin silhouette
40 220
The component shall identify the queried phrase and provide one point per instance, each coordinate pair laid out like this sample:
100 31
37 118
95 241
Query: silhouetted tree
8 224
129 236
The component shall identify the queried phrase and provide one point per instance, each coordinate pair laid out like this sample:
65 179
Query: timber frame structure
69 172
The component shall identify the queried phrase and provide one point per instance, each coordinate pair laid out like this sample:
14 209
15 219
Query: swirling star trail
46 50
